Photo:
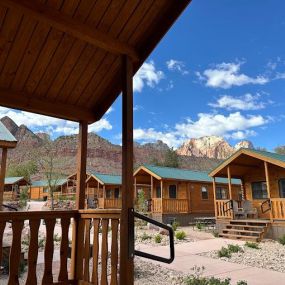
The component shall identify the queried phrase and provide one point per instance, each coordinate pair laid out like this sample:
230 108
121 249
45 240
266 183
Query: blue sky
219 71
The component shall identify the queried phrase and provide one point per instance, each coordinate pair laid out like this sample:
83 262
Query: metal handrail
268 202
229 208
171 240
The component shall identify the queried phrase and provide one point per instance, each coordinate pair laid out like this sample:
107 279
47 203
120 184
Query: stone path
186 258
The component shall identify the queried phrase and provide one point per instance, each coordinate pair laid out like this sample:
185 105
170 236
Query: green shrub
42 242
158 238
215 233
180 235
200 226
175 225
145 236
282 240
57 238
224 252
24 196
234 248
242 282
254 245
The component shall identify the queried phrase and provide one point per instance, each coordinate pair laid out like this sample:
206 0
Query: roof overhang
64 58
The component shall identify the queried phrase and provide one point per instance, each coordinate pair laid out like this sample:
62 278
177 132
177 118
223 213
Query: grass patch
227 251
254 245
200 226
233 248
158 238
180 235
145 236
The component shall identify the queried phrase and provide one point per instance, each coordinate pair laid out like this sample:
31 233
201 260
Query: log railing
223 210
278 208
175 206
91 255
156 205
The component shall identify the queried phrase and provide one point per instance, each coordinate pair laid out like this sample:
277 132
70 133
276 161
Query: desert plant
224 252
57 238
180 235
145 236
175 225
158 238
215 233
24 196
42 242
282 240
199 226
254 245
234 248
242 282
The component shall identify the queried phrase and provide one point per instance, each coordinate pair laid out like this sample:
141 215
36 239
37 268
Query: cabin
13 187
72 60
260 211
106 189
40 189
7 141
179 194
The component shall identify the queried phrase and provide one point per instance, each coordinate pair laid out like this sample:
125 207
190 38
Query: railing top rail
100 211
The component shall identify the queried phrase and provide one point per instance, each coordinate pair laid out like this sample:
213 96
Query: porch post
161 192
78 226
268 185
214 192
127 221
230 182
151 187
2 175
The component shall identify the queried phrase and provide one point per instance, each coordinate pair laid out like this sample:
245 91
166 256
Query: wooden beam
214 193
67 24
6 144
28 102
127 221
267 177
230 182
2 174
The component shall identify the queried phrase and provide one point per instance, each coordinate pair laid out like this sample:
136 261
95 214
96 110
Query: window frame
279 187
207 192
219 189
117 193
254 197
175 191
158 188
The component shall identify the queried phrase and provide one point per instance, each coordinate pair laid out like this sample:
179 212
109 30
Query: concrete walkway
187 257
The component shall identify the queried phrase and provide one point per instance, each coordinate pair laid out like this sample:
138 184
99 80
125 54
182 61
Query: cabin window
221 193
109 193
158 192
45 190
172 191
117 193
282 188
204 192
259 190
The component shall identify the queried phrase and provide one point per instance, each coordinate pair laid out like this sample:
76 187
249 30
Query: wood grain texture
104 252
114 252
96 224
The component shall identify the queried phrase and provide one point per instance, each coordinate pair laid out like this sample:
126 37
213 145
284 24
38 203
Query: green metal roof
268 154
5 135
185 174
12 180
108 178
44 183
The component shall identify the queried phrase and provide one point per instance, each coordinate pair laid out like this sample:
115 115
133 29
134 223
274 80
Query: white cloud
147 75
245 102
40 123
226 75
176 65
235 126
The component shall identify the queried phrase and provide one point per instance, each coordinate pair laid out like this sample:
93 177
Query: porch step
241 237
251 230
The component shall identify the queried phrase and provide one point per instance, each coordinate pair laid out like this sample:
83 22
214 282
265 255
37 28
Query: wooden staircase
249 230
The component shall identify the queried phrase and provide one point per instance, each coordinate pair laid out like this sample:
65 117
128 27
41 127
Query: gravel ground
270 255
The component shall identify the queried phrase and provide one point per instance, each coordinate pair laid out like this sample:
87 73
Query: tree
50 166
171 158
25 170
280 149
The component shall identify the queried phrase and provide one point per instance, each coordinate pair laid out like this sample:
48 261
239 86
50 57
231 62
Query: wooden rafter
71 26
23 101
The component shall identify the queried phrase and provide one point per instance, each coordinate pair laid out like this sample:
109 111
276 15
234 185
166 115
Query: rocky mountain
211 147
103 156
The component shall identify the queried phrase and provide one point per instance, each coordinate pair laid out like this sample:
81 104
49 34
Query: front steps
248 230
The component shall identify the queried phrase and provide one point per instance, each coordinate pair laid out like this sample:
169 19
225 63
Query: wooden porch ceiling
62 58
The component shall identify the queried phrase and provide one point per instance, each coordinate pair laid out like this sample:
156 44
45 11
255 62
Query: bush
175 225
145 236
158 238
215 233
180 235
234 248
57 238
224 252
282 240
242 282
24 196
199 226
254 245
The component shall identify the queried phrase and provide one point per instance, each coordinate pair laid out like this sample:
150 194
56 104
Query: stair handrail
269 204
231 204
